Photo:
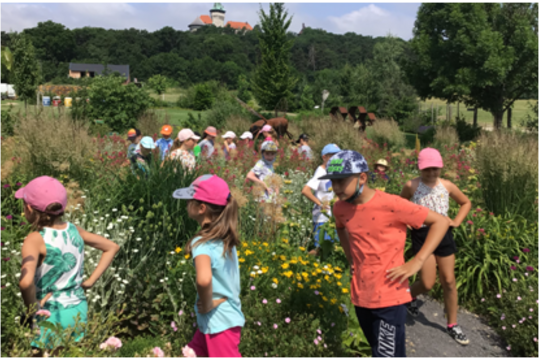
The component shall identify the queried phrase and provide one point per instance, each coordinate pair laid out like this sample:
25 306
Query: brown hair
176 145
223 225
39 219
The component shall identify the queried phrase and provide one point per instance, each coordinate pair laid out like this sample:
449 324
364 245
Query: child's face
166 137
145 151
210 137
266 134
189 144
430 174
345 188
380 168
269 155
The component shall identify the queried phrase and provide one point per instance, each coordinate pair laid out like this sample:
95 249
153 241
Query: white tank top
435 199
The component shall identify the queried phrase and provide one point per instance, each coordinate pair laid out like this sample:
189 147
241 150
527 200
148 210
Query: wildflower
6 186
274 285
158 352
508 348
513 326
518 298
173 325
178 249
188 352
531 310
526 250
498 296
529 268
483 300
344 290
504 327
316 342
9 217
43 312
535 340
275 326
252 288
333 324
319 331
469 222
112 343
512 267
258 323
18 184
278 301
514 280
526 274
265 301
287 320
316 292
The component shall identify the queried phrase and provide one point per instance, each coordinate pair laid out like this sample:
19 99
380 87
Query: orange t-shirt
377 232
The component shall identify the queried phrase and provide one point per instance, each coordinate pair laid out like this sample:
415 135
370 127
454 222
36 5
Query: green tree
273 80
203 97
159 84
306 99
25 69
483 54
243 89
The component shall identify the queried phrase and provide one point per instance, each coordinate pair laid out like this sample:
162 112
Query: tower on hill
218 15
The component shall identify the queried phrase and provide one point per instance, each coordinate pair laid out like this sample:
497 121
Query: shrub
530 122
466 131
445 136
221 111
507 165
387 133
202 97
8 122
150 123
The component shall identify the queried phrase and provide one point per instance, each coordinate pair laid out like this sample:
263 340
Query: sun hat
344 164
382 162
166 130
246 135
133 133
229 134
269 146
42 192
211 131
429 157
266 128
208 188
148 143
186 134
330 149
304 137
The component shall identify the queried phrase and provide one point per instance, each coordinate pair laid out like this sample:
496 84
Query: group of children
371 227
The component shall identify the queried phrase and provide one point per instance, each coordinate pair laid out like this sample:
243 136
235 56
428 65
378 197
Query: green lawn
171 95
177 115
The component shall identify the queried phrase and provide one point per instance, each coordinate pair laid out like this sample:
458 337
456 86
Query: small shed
371 118
78 71
338 110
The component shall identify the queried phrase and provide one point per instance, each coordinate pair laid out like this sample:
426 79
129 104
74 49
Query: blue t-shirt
164 145
225 283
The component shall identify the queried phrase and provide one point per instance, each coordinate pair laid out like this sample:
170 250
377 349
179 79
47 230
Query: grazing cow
279 124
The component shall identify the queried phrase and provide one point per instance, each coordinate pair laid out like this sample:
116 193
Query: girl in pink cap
431 191
219 311
53 267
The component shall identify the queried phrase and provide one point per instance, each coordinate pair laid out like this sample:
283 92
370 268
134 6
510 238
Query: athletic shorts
223 344
384 329
447 246
47 339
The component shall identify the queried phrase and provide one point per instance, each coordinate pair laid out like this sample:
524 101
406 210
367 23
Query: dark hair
223 225
40 219
176 145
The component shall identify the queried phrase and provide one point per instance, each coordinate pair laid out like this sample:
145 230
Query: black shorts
447 246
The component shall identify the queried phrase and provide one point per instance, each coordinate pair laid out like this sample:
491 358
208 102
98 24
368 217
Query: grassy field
519 112
171 95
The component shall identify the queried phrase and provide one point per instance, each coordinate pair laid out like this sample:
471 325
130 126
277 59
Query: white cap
247 135
229 134
186 134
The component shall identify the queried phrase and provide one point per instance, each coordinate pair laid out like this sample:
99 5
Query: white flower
256 267
253 274
115 210
13 251
18 275
259 272
97 297
108 200
5 249
107 235
274 285
139 239
19 294
101 218
172 252
183 262
94 300
161 280
7 243
125 281
274 254
95 220
3 276
135 250
118 220
95 212
99 233
8 284
83 197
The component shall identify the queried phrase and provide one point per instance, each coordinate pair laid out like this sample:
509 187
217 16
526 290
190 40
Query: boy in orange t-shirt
372 227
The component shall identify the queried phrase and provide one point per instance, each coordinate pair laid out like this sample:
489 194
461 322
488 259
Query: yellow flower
300 286
241 260
187 256
287 182
305 274
327 278
285 266
245 244
318 280
337 276
178 249
321 306
265 244
283 257
248 252
302 248
312 286
333 301
325 298
298 277
318 271
337 268
288 273
285 241
316 264
308 305
294 262
314 274
344 290
275 280
265 269
339 284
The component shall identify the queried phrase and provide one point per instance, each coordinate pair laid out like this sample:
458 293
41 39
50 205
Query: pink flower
526 250
264 301
18 184
504 327
483 300
531 310
514 280
319 338
491 214
508 348
252 288
526 274
333 324
192 314
535 340
319 331
173 325
6 186
181 312
518 298
287 320
512 267
278 301
275 326
516 257
158 352
188 352
498 296
529 268
469 222
316 292
259 323
9 217
513 326
111 343
194 324
43 312
316 342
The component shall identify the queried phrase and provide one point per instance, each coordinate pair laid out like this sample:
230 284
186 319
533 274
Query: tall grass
150 123
445 136
387 132
508 173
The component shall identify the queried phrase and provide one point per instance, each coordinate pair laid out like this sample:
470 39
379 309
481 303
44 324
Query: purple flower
252 288
194 324
516 258
502 317
287 320
23 223
316 292
278 301
275 326
192 314
6 259
526 250
6 186
9 217
264 301
333 324
529 268
18 184
3 228
512 267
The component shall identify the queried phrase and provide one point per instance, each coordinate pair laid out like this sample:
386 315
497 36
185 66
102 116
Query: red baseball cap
208 188
42 192
166 130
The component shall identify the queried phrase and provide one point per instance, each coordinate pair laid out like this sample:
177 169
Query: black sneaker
457 334
412 308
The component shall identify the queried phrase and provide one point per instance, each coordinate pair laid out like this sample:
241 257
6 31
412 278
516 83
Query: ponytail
176 145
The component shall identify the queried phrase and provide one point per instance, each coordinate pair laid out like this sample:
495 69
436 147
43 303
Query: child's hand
202 309
403 272
87 284
452 222
44 300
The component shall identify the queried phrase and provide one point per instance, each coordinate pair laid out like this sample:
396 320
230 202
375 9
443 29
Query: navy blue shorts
384 329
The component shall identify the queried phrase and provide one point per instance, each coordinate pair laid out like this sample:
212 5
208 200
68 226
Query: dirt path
426 335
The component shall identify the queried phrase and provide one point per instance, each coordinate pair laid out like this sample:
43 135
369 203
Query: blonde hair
223 225
177 144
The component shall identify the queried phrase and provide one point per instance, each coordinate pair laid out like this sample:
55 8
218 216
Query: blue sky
374 19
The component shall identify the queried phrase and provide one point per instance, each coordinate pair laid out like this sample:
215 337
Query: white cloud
375 21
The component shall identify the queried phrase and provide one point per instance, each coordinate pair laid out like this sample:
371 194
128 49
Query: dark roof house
90 70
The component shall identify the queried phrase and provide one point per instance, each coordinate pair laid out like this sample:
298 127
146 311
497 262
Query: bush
387 133
222 110
530 122
8 122
507 165
445 136
150 123
465 131
203 97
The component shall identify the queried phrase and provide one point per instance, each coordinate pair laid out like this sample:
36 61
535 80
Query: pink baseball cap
266 128
186 134
428 158
42 192
208 188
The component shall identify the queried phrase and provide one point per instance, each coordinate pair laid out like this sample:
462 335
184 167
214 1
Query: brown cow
279 124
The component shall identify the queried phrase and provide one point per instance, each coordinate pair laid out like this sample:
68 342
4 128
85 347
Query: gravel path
426 334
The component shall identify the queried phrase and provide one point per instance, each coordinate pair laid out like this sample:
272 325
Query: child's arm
109 249
438 226
203 267
344 241
31 251
306 191
251 176
407 192
462 200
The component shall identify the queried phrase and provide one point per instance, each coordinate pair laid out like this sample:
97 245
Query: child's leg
428 275
386 330
198 344
225 343
448 282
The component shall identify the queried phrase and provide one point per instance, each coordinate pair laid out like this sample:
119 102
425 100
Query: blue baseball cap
344 164
148 143
330 149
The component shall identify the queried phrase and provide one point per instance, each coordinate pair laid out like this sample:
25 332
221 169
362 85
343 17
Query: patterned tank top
62 269
435 199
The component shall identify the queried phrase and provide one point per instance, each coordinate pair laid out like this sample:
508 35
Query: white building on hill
217 18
